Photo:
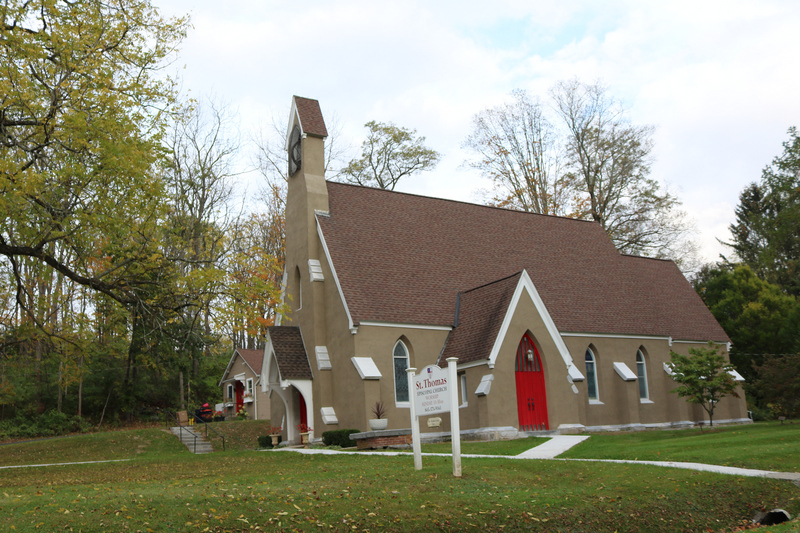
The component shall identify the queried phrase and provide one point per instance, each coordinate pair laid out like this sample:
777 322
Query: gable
485 314
286 348
252 359
403 258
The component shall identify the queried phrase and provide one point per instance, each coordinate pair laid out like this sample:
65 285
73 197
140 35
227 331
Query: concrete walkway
65 464
558 444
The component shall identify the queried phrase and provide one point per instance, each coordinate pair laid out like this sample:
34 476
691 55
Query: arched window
591 374
400 357
641 372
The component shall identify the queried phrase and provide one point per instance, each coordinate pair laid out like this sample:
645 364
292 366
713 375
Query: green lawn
165 488
495 447
763 446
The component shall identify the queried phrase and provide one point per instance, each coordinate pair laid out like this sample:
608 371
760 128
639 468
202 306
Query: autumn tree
703 376
388 154
80 121
766 234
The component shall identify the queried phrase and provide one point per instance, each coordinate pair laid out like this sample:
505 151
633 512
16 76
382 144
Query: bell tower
307 195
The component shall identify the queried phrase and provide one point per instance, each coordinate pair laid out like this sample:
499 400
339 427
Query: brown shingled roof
403 258
290 352
480 314
253 358
311 120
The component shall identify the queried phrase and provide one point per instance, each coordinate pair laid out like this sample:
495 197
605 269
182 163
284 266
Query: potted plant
219 416
304 431
379 422
275 434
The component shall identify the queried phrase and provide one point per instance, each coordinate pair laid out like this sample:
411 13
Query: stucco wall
261 402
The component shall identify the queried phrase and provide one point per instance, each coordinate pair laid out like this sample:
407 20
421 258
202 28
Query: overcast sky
718 79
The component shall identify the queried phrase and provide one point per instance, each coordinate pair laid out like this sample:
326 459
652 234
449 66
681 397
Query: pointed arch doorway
531 396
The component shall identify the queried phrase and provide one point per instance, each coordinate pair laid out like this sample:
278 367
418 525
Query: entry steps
193 440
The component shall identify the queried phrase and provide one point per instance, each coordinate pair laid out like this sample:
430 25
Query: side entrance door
239 395
531 397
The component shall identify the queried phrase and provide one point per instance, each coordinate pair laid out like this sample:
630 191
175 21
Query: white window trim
398 403
596 400
462 381
646 398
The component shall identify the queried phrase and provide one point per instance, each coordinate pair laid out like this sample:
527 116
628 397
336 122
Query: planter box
378 424
248 400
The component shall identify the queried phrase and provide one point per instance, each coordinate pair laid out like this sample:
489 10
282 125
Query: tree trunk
180 386
60 384
80 387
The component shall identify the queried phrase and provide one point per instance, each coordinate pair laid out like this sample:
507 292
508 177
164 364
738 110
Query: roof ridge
634 256
517 273
451 200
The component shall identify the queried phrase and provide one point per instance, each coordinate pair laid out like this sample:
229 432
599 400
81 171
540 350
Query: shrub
265 441
339 437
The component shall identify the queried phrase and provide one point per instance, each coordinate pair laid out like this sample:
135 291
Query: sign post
415 441
455 421
435 391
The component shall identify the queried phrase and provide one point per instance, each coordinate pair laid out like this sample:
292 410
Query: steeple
307 195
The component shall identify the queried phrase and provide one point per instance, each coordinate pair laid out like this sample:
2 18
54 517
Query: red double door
531 397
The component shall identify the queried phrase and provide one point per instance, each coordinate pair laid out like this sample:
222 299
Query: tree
611 160
704 377
80 122
388 154
779 379
766 234
581 158
759 318
519 149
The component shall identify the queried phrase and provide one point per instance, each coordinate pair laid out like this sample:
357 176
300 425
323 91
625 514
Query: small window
463 382
230 392
591 374
249 386
641 374
400 375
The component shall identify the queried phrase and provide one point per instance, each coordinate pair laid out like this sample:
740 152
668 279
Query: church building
553 328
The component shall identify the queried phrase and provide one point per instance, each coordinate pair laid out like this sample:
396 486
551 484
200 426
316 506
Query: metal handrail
220 435
166 421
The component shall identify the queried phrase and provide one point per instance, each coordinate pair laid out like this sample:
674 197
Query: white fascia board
737 376
293 114
408 326
350 324
269 360
613 336
526 284
669 339
624 372
684 341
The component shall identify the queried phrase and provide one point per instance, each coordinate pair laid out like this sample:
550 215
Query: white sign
431 391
